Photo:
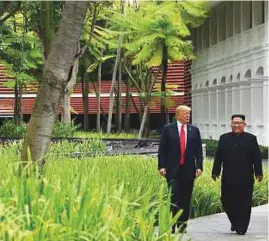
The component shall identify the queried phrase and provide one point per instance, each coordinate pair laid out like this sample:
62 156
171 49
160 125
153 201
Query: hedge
211 147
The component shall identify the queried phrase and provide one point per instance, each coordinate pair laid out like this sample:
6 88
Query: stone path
216 227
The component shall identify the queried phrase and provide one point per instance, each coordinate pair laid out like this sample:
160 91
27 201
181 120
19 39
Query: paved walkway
217 227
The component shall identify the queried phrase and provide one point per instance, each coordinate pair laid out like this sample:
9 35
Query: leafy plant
11 128
101 198
211 148
64 130
90 146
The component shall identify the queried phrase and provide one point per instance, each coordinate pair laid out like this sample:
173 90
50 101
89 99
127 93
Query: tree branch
11 13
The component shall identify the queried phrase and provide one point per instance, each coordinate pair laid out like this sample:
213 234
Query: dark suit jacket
169 151
239 157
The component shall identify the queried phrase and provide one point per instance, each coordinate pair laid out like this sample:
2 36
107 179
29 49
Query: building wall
178 82
230 74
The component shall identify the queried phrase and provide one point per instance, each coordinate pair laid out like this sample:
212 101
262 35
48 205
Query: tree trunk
127 106
147 125
147 101
111 99
20 100
47 27
163 89
119 98
85 83
85 94
17 104
66 111
55 77
66 105
98 118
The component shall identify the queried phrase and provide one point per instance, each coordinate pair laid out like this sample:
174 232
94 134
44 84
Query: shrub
211 147
264 152
12 129
63 130
93 146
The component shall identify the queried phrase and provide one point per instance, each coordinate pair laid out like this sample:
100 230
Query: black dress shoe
232 228
240 232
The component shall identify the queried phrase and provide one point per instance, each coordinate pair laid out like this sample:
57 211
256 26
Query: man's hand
259 178
198 172
162 172
215 177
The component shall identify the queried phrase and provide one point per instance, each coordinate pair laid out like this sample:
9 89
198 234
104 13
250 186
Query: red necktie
182 145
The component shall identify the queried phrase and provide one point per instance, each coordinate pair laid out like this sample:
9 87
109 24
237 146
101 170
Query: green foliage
64 130
10 128
156 26
101 198
264 151
20 50
90 146
211 148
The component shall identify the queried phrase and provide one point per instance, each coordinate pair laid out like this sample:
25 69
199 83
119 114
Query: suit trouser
181 191
236 200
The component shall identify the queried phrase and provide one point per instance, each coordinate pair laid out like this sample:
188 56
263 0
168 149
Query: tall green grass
100 198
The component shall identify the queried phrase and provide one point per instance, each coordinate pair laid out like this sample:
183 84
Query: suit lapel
175 131
189 131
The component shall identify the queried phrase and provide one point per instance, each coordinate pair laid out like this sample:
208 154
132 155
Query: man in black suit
180 161
239 157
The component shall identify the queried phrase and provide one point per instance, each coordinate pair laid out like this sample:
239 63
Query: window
229 19
222 23
206 34
213 28
258 12
248 74
237 16
247 15
199 38
259 72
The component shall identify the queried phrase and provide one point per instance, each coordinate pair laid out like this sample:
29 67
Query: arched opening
259 72
207 83
248 74
231 78
238 76
223 80
214 82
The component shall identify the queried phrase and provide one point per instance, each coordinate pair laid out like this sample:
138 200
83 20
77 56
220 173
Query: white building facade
230 73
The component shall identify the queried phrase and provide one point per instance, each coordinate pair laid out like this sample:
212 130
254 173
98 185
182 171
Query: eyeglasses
238 123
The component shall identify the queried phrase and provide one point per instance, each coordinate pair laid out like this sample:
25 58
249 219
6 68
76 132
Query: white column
265 140
194 106
221 110
257 106
229 105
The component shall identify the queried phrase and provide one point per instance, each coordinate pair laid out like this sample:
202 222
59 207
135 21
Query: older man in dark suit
180 161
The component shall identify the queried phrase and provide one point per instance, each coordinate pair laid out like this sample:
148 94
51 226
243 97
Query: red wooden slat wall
178 74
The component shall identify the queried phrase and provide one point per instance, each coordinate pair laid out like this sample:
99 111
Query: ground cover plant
98 198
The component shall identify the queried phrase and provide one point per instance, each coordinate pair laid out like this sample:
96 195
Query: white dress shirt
185 129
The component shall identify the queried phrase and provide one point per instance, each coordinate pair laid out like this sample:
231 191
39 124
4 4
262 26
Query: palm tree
159 34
